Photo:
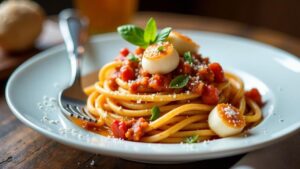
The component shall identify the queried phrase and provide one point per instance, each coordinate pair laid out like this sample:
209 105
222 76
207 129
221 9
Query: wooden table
22 147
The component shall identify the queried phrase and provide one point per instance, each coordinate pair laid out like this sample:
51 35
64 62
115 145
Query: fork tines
79 113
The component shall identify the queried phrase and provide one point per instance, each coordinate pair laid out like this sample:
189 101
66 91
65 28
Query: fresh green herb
143 38
133 34
191 139
132 58
154 113
179 81
161 48
150 31
187 56
163 35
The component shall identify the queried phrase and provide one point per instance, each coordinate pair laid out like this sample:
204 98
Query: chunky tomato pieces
119 128
131 130
206 74
113 84
195 86
159 82
210 95
254 95
201 74
187 69
137 129
127 73
217 69
124 52
122 56
139 51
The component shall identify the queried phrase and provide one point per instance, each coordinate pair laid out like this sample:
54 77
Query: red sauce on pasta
202 74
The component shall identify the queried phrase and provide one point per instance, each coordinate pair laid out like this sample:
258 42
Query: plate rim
292 129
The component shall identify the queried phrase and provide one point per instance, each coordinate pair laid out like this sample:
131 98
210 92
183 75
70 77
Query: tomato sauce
203 75
104 131
254 95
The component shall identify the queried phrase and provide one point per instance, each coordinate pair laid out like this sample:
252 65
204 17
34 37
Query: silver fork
72 100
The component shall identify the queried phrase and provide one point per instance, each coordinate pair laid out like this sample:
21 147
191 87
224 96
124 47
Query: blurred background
281 15
30 26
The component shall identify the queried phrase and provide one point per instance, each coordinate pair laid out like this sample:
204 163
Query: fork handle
73 30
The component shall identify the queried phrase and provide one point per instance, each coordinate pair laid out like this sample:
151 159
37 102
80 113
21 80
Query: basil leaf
161 48
154 113
191 139
187 56
133 34
163 35
179 81
132 58
150 31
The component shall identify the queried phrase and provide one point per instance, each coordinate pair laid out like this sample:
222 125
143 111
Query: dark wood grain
22 147
9 61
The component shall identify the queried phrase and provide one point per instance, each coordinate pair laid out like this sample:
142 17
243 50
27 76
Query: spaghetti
132 104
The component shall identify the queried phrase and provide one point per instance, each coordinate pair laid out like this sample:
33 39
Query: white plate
33 88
